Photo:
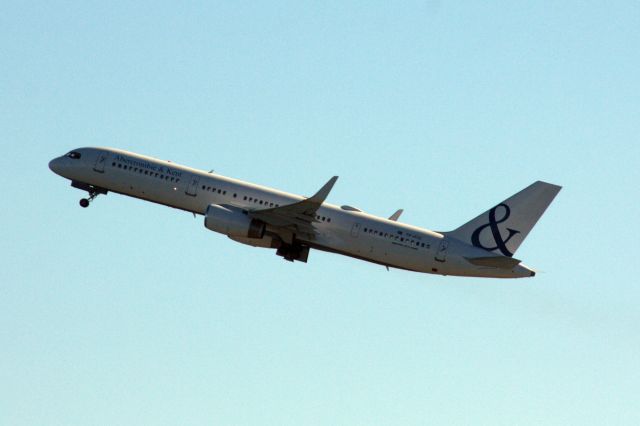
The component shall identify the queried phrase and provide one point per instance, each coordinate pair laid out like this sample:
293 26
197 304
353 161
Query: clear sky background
133 313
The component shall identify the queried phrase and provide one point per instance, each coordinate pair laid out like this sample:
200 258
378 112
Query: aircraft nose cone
54 165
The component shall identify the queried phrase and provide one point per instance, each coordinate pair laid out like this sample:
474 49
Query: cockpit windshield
74 154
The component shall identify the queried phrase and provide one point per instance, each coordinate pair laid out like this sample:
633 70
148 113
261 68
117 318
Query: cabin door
192 188
441 254
355 230
100 162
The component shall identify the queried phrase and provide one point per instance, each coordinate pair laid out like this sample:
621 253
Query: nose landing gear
93 191
84 203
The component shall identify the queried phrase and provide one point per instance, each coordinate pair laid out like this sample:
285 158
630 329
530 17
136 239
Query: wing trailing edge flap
501 262
297 217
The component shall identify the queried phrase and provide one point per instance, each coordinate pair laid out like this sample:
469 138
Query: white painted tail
504 227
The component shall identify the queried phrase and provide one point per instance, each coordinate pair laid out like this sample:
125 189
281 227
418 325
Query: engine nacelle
232 221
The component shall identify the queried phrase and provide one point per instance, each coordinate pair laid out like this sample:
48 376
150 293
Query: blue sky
132 313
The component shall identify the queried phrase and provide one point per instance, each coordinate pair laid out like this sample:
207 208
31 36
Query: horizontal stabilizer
501 262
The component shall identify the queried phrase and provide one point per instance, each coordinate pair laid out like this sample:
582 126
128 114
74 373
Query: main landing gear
93 191
294 251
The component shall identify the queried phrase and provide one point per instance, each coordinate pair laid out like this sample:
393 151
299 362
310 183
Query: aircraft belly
383 253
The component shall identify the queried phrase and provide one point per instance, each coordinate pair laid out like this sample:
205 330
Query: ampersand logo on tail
501 244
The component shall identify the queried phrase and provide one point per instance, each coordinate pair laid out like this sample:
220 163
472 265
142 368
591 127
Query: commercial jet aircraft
292 225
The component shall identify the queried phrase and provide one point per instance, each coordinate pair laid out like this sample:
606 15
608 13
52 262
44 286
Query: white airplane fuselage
344 230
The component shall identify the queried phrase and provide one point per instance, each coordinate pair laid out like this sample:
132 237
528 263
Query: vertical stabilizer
504 227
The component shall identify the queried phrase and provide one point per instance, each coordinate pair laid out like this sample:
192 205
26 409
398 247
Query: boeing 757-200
292 225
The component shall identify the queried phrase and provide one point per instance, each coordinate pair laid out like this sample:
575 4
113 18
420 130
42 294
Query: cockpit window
74 154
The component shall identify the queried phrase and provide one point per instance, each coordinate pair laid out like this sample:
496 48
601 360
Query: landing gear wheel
292 252
84 203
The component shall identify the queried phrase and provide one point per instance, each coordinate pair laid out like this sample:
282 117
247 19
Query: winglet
322 194
396 215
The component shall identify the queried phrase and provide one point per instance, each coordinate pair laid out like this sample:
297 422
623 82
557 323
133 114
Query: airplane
292 225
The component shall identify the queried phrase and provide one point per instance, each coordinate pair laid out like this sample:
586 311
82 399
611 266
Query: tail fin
504 227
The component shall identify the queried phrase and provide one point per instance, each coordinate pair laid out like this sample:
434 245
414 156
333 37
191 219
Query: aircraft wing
396 215
297 217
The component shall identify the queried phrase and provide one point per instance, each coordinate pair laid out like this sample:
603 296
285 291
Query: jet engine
232 221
